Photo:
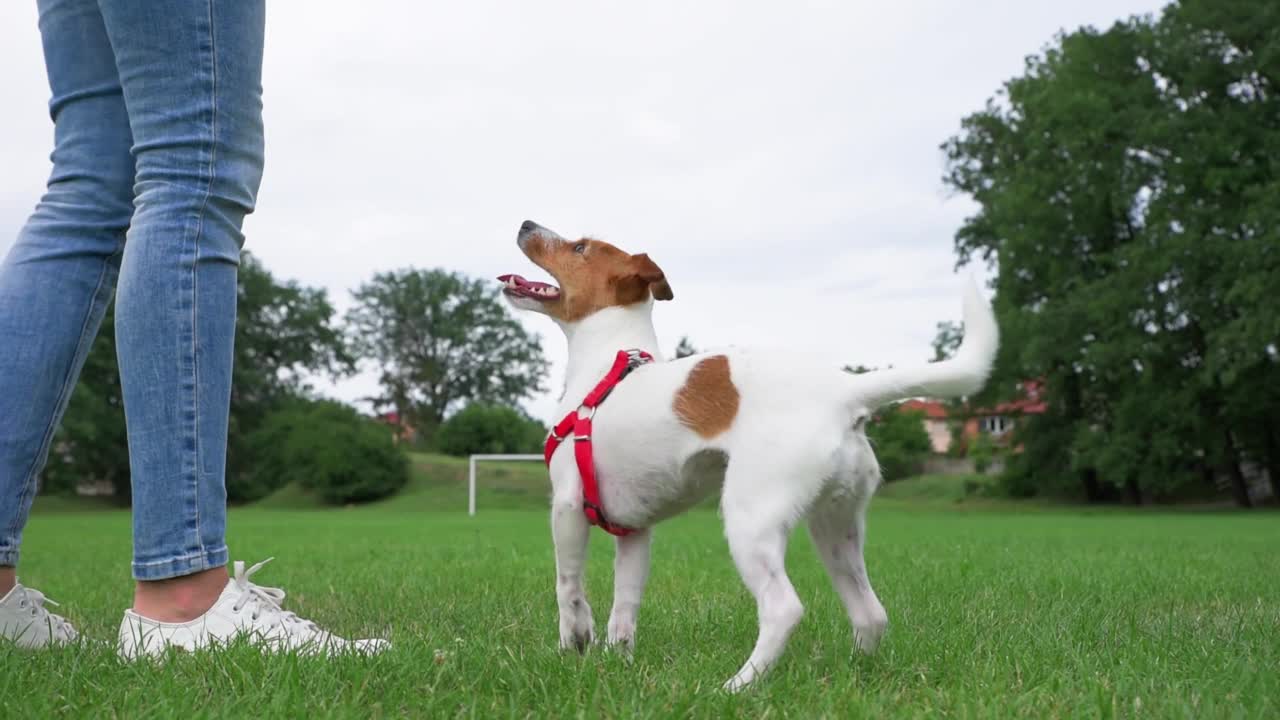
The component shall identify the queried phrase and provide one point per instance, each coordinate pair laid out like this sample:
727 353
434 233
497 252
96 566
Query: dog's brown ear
649 271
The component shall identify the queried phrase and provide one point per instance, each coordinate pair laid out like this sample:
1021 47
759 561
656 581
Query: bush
982 452
480 428
900 441
981 486
329 448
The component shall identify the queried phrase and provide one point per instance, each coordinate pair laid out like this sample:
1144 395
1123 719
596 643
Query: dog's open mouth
519 287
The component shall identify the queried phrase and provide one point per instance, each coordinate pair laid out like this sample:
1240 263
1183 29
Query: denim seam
181 558
181 565
68 385
195 288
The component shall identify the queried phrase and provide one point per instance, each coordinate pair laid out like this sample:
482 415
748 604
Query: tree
900 442
441 339
284 334
685 348
982 453
947 340
481 428
329 448
1122 184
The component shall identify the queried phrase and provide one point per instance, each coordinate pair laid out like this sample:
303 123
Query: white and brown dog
779 438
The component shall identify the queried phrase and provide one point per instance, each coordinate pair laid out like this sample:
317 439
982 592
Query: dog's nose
529 226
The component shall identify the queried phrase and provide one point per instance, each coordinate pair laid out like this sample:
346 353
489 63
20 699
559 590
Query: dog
780 438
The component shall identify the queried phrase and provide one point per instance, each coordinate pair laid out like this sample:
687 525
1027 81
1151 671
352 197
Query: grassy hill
439 482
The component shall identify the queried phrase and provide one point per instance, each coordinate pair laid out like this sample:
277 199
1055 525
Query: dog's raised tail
963 374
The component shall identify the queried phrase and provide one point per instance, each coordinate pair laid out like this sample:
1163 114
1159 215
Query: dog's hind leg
837 524
570 531
758 520
630 572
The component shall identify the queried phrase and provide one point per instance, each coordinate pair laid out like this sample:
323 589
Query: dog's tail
963 374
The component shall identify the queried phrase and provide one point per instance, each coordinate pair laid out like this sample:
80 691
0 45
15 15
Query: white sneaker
244 610
24 620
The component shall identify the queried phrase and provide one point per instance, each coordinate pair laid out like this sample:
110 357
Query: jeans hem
180 566
9 558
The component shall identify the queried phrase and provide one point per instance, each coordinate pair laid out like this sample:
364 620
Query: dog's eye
580 248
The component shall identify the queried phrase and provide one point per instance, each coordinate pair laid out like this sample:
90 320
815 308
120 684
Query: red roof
932 409
1030 403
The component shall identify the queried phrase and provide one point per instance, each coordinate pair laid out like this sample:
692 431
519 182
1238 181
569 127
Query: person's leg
192 77
57 279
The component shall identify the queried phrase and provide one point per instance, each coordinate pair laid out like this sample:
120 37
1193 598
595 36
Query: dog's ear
648 271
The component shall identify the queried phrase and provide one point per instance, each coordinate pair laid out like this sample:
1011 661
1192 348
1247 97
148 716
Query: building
935 422
402 431
998 421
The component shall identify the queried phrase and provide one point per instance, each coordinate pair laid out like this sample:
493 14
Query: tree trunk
1239 487
1207 474
1132 489
1071 396
1273 458
1092 491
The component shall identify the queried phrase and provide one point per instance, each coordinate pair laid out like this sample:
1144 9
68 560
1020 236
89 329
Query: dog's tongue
516 282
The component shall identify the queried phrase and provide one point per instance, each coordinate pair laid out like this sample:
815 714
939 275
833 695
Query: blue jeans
157 110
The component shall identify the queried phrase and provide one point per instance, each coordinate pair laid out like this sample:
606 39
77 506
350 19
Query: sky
780 161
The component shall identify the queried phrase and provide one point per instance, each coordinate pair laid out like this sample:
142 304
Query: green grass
939 488
993 613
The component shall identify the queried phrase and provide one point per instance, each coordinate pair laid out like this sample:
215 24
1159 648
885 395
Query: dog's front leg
570 531
630 572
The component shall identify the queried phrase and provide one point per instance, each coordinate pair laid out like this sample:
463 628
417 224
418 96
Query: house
935 422
997 421
403 432
1000 420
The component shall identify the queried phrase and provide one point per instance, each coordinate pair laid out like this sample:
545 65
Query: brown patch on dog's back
708 402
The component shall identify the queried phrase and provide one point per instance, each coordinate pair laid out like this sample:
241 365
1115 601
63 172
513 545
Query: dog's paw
735 684
868 632
577 627
576 639
622 635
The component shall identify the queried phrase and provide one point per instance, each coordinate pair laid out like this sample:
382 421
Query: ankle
8 579
180 599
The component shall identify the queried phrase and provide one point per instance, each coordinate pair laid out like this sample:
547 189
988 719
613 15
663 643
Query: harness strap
623 364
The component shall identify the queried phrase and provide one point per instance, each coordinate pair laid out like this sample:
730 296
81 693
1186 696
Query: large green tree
285 334
440 340
1126 186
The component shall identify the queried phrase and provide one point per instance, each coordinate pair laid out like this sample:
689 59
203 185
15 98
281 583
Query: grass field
993 613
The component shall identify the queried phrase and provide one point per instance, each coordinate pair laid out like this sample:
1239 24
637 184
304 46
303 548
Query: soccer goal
471 485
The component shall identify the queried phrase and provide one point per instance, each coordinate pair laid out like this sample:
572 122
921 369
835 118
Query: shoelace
36 600
268 599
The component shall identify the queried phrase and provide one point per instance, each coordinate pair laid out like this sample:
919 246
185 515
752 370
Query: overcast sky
779 160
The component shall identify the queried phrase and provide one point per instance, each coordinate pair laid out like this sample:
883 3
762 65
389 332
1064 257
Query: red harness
623 364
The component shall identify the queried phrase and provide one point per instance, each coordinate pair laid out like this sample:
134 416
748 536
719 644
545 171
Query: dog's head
592 275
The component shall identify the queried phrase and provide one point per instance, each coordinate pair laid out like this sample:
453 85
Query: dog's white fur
795 449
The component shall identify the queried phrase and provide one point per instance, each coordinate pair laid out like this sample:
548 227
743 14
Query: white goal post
471 486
